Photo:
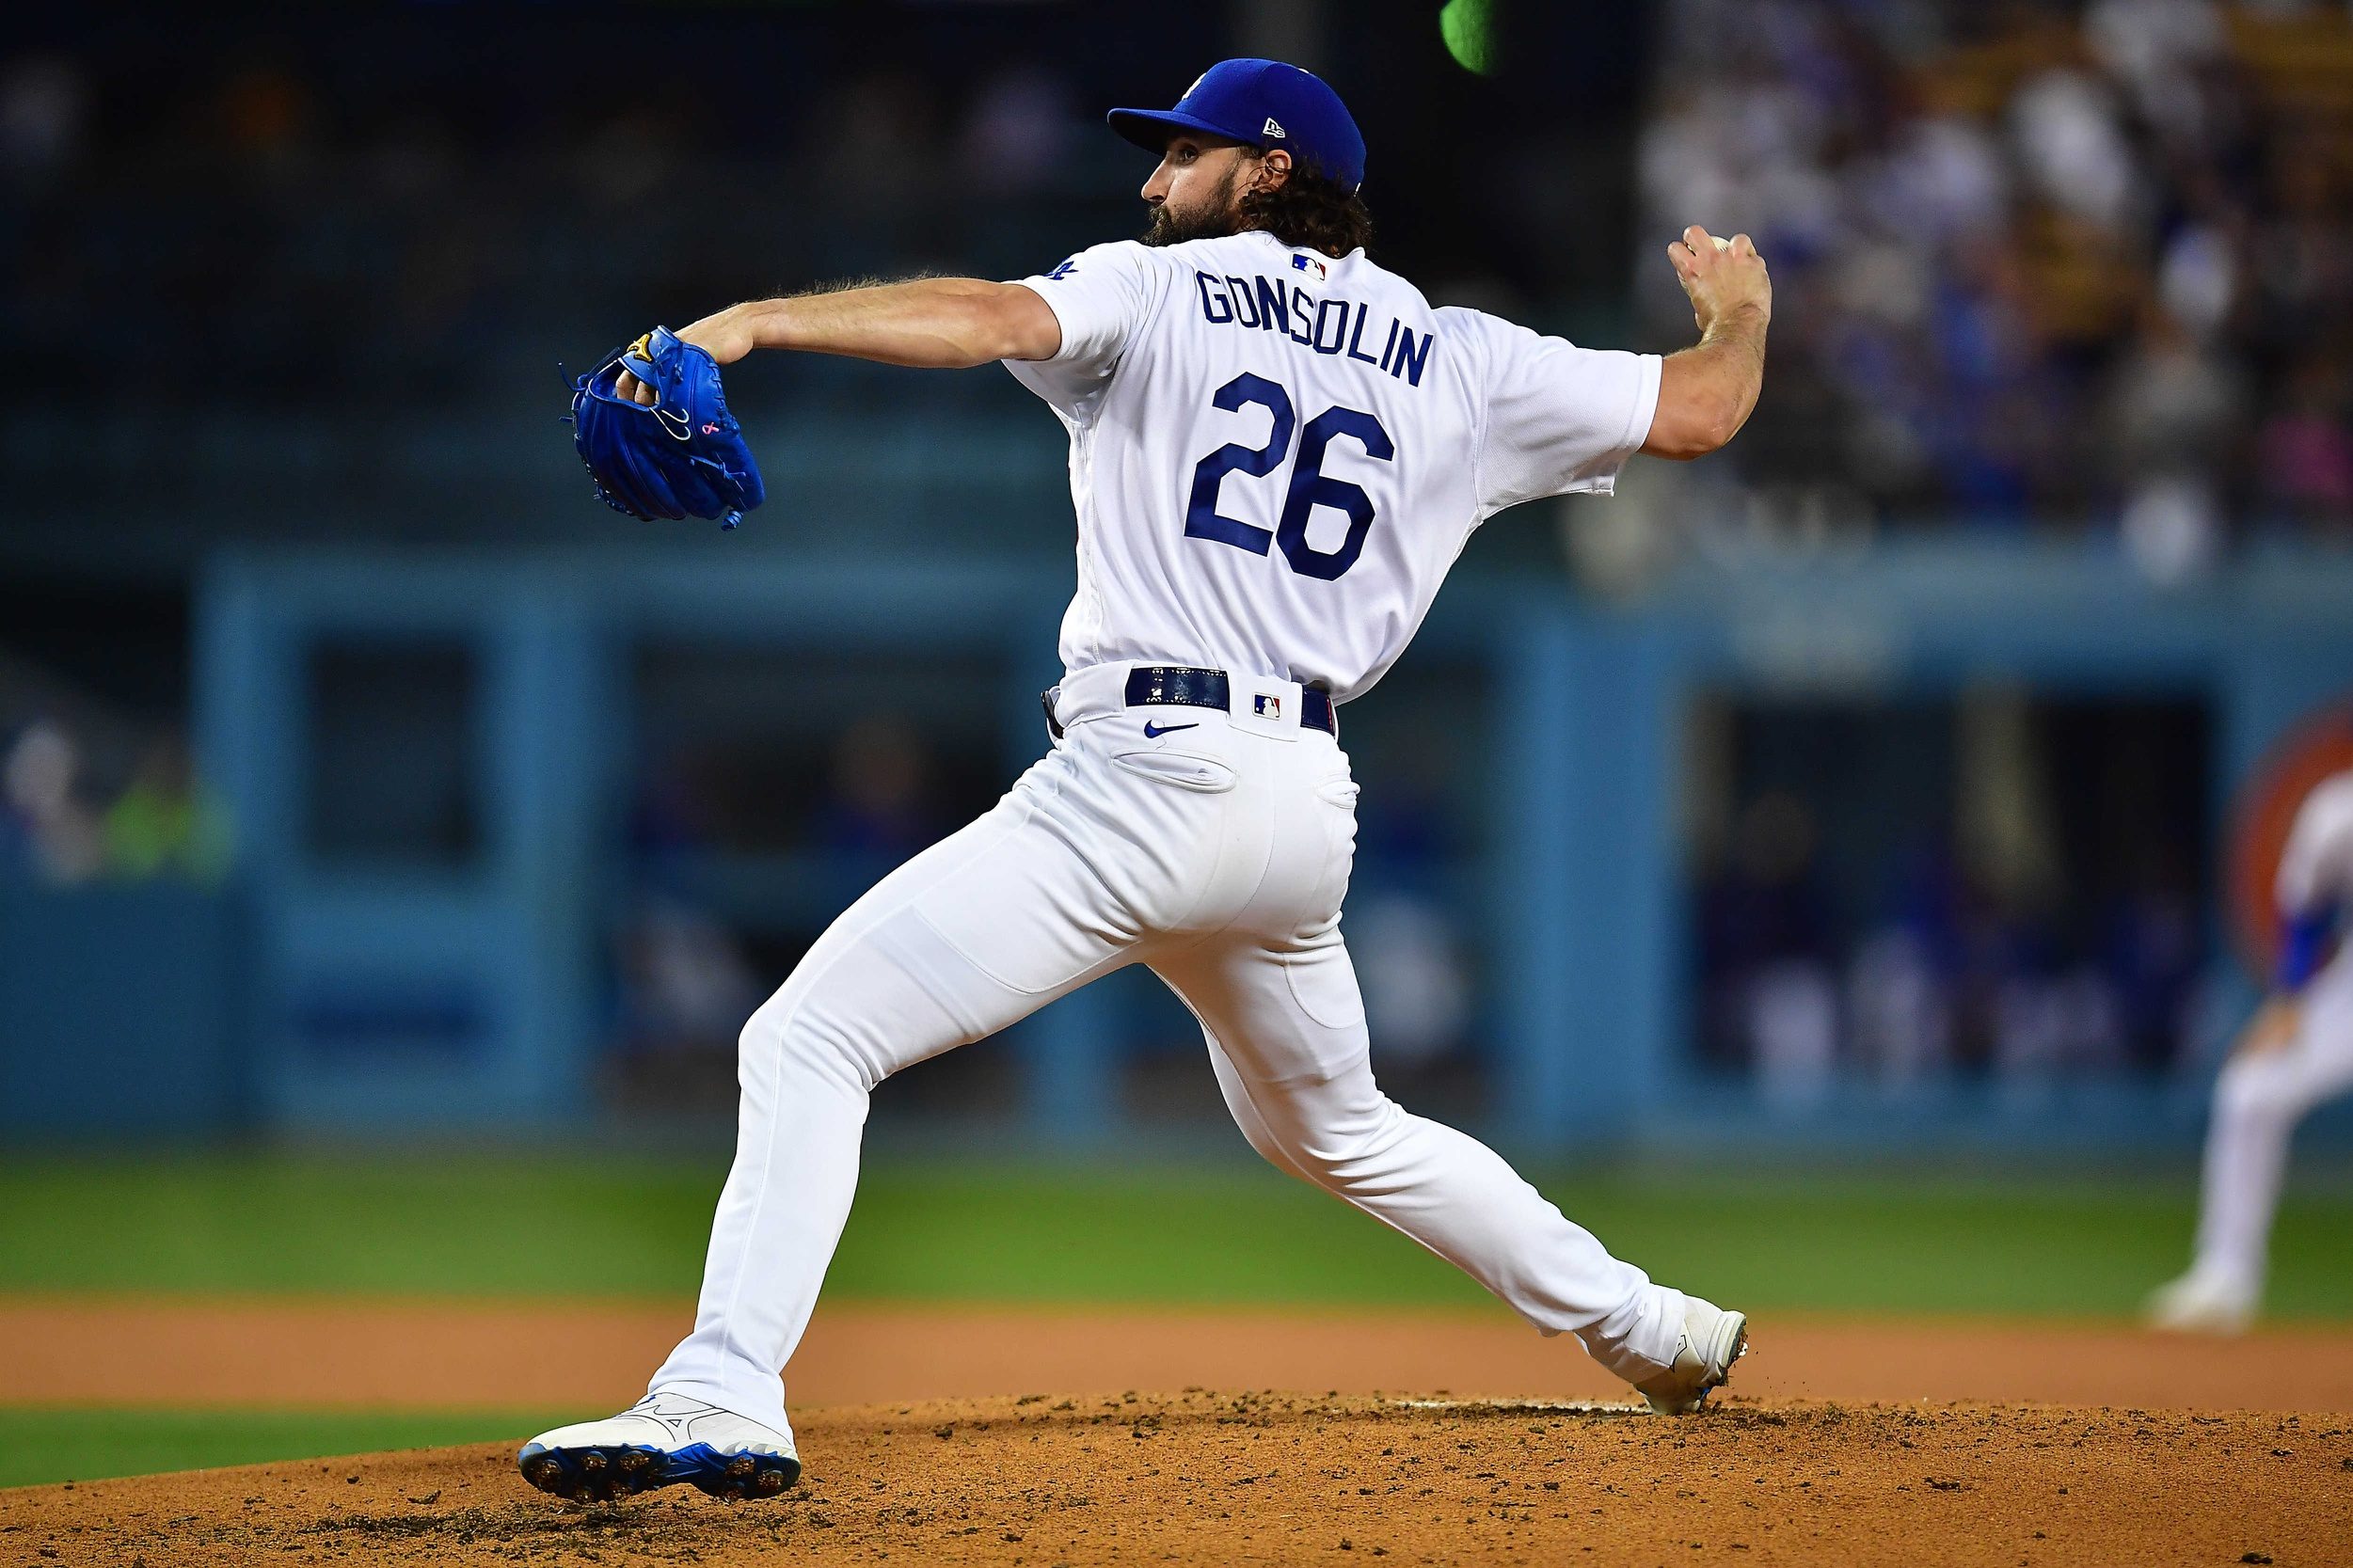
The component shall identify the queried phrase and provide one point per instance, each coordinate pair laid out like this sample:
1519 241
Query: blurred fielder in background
2294 1056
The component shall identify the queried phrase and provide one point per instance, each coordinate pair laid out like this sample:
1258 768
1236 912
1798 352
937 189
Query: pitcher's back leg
1287 1039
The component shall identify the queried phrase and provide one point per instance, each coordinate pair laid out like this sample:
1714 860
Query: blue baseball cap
1265 104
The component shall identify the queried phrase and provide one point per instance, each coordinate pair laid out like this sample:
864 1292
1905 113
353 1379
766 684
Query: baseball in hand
1720 275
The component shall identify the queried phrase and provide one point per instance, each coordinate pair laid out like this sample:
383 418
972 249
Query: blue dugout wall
466 999
481 981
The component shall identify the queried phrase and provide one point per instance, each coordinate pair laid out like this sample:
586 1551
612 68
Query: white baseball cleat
1712 1340
2204 1300
663 1439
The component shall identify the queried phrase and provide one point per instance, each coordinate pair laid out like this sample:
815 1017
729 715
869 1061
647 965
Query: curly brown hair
1309 211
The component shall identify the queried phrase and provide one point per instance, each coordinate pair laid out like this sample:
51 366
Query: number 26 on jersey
1310 486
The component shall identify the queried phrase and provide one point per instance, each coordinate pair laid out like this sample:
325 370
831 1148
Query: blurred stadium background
393 839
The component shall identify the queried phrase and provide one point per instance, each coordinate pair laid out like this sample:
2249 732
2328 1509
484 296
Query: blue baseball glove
683 456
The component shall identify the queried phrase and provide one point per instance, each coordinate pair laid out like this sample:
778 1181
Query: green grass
1847 1242
42 1445
516 1227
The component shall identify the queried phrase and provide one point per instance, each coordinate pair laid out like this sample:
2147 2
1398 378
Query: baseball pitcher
1278 448
2296 1054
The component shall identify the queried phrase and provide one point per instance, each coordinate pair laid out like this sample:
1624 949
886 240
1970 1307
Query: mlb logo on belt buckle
1266 706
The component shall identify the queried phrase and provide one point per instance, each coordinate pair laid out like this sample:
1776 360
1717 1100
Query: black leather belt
1178 686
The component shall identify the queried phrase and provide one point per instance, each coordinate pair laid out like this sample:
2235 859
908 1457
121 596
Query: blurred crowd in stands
263 228
2039 262
1999 889
1945 978
64 822
282 223
2034 263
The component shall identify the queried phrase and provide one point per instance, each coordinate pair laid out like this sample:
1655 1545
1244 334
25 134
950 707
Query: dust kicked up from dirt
1214 1477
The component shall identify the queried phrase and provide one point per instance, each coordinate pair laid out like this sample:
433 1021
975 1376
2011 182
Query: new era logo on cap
1274 127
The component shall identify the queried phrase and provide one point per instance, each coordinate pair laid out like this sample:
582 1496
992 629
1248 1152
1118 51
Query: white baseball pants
1216 851
2257 1103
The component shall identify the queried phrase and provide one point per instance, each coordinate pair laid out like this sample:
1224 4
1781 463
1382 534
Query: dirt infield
1203 1477
1002 1435
593 1357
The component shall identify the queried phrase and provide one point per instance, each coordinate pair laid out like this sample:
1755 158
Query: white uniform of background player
1275 454
2296 1054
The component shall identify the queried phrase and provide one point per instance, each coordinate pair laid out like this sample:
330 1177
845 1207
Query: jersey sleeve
1101 297
1559 419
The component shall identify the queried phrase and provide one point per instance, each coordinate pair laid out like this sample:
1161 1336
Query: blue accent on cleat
602 1473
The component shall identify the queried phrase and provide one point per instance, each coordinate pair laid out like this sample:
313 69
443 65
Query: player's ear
1274 167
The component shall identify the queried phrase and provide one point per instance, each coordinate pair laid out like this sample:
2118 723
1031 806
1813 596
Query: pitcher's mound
1221 1478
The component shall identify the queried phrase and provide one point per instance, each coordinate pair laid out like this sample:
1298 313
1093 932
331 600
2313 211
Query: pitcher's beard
1215 221
1168 229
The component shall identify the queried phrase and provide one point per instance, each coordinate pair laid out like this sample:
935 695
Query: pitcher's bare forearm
933 322
1710 387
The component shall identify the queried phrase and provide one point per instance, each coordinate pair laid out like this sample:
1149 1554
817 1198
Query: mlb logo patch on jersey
1266 706
1308 264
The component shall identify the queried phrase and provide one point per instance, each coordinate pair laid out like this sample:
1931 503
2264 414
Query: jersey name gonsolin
1333 326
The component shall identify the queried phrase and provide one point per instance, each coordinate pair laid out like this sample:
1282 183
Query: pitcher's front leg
971 936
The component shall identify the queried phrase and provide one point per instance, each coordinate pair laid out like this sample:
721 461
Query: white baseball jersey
2316 867
1275 456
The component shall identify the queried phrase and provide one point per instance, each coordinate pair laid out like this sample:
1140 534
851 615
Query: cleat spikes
605 1462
